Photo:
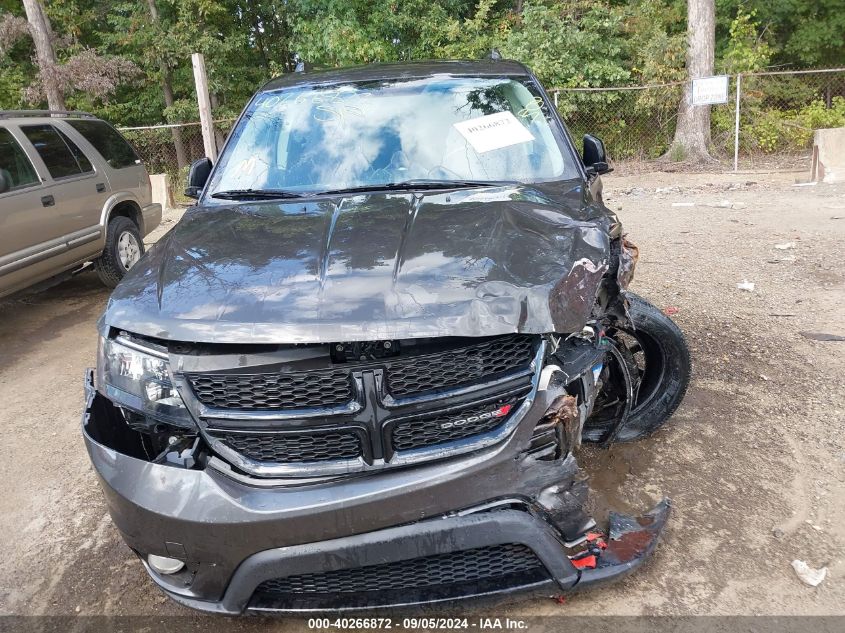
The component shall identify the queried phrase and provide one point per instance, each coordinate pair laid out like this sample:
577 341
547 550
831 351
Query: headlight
138 378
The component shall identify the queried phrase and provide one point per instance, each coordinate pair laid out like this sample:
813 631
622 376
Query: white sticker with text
493 131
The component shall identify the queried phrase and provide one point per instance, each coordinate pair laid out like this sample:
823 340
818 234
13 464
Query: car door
21 212
125 170
74 191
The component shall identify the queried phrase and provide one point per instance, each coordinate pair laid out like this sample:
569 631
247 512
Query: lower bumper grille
443 575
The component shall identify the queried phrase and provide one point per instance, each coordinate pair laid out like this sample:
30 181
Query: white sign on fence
710 90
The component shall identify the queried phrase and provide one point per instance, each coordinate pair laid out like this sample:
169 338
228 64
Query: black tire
111 266
660 353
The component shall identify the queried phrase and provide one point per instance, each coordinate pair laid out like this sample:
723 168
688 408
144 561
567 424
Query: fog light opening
164 565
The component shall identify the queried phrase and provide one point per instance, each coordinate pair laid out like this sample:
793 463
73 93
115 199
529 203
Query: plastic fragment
746 285
670 310
586 562
785 246
807 574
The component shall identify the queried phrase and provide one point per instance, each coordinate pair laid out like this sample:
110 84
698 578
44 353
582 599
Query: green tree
746 49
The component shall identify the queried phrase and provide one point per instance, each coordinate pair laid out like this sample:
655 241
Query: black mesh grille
441 570
273 391
420 432
280 448
452 368
280 440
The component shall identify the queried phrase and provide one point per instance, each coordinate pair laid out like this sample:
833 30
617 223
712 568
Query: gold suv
72 191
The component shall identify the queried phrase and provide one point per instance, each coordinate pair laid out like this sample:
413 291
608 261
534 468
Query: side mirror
5 181
595 158
197 177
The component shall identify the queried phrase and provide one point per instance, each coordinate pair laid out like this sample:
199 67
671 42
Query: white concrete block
829 155
161 191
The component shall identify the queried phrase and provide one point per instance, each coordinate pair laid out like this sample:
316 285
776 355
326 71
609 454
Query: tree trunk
39 27
167 89
692 134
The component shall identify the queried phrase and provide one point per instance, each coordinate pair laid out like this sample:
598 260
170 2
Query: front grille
315 446
278 391
453 368
344 410
494 562
430 431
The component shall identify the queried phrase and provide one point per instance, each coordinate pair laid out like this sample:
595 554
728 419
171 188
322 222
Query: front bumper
235 534
151 215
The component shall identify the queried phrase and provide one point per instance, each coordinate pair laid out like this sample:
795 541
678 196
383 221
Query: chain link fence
170 149
635 122
778 113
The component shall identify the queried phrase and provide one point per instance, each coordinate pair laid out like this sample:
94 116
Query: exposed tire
124 248
661 365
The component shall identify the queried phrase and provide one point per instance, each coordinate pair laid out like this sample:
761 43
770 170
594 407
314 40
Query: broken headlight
137 377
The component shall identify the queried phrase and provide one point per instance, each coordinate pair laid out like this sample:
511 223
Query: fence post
736 123
556 94
204 103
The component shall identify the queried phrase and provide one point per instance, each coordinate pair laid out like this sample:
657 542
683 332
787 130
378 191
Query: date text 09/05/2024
410 624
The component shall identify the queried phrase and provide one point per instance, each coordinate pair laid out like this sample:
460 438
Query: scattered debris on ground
807 574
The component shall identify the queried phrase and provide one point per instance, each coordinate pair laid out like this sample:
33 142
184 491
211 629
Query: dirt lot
754 460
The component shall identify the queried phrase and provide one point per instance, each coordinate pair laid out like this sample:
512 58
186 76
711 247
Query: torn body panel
628 256
371 267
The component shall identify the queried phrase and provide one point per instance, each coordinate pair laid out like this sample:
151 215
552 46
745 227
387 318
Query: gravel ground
754 460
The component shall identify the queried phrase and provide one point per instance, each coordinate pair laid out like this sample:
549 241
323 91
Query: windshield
323 138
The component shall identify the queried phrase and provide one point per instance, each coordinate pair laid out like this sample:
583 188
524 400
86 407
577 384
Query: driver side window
15 162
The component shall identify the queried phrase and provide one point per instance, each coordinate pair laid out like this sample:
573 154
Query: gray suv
72 191
358 372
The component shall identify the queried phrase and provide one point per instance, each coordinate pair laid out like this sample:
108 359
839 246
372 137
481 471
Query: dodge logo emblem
495 413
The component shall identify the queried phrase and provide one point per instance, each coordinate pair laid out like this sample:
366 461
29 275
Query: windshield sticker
493 131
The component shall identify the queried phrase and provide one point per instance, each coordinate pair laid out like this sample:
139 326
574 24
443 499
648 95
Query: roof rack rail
12 114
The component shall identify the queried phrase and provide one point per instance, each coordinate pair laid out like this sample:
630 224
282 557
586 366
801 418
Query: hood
474 262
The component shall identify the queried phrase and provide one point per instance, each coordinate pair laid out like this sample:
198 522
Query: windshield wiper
418 185
256 194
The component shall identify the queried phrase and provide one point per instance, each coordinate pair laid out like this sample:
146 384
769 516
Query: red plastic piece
587 562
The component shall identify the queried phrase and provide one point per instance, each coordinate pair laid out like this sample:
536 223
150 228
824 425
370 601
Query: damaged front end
356 475
353 379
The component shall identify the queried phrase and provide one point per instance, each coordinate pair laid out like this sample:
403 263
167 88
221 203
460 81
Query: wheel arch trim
121 199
